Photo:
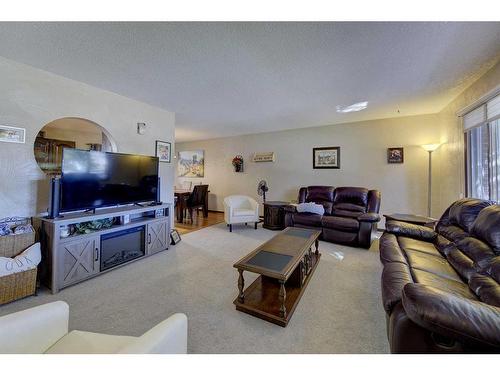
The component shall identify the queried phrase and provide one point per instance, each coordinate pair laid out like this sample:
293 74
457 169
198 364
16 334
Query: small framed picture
12 134
395 155
163 151
175 237
326 158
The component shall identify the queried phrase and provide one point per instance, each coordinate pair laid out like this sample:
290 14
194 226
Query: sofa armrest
451 315
418 232
34 330
290 209
369 217
168 337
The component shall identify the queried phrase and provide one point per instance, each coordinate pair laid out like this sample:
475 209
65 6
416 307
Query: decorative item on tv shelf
12 134
326 157
191 164
163 151
261 157
175 237
238 163
89 226
395 155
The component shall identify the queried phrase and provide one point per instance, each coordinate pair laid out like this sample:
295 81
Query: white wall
363 157
31 98
363 161
451 170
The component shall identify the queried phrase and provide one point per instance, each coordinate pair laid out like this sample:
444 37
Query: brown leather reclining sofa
350 218
441 288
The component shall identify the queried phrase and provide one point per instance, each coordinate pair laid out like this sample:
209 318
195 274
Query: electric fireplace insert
122 246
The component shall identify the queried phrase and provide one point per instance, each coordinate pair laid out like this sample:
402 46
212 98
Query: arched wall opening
69 132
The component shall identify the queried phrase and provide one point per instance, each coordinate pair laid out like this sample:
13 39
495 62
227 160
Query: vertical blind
482 129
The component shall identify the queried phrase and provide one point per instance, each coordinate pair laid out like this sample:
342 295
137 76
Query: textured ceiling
225 79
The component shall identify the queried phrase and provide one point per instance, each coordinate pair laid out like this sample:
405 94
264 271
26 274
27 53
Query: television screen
92 179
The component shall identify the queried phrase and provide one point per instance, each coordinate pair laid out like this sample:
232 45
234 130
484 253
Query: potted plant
238 163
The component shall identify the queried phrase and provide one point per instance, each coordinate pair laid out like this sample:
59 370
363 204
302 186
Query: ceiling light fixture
352 108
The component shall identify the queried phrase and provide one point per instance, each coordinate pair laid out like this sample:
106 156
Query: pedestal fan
262 189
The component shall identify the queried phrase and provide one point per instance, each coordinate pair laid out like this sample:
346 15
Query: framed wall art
191 164
163 151
12 134
326 158
395 155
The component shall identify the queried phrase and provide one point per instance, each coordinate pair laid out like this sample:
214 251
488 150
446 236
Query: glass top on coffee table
280 255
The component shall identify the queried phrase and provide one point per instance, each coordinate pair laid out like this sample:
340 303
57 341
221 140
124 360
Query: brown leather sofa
350 218
441 288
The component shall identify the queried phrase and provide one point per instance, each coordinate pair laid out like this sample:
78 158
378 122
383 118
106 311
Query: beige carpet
340 311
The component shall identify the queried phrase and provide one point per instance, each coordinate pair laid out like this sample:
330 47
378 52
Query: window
482 131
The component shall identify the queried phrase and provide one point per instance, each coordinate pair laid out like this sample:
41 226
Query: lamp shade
431 147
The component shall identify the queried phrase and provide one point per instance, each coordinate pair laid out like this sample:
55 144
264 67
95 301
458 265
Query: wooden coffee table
286 264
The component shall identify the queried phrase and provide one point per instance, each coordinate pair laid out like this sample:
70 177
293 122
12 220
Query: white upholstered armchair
44 329
240 209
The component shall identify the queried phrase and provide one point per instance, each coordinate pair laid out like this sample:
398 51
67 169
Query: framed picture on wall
191 164
163 151
395 155
12 134
326 158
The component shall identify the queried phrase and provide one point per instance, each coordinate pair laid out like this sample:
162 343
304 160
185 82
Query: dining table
182 196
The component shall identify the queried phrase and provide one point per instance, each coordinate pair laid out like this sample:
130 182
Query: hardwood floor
199 222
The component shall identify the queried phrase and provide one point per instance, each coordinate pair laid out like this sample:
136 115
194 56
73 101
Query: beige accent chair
240 209
44 329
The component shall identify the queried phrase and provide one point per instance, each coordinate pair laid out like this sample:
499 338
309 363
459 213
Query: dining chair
196 200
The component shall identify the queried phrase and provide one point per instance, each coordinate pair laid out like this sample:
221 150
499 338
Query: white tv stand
70 259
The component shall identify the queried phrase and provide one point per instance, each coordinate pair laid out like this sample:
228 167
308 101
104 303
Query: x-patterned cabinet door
158 236
80 259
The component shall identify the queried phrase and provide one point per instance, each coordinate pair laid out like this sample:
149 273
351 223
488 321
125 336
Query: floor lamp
430 148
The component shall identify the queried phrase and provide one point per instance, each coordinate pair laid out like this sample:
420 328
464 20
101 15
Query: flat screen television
92 179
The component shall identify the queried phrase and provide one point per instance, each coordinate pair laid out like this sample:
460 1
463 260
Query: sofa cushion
307 219
487 227
353 195
452 232
80 342
348 210
340 223
407 243
464 265
443 244
431 263
476 250
319 193
464 212
486 288
243 212
448 285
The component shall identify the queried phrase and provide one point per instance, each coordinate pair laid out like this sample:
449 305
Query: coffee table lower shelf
262 296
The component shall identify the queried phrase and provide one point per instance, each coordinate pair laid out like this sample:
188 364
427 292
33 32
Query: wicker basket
20 284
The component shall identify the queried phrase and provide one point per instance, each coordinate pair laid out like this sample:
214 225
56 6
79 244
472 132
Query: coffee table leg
309 256
241 285
316 245
282 296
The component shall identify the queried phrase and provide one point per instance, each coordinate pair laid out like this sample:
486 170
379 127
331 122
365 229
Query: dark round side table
274 215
